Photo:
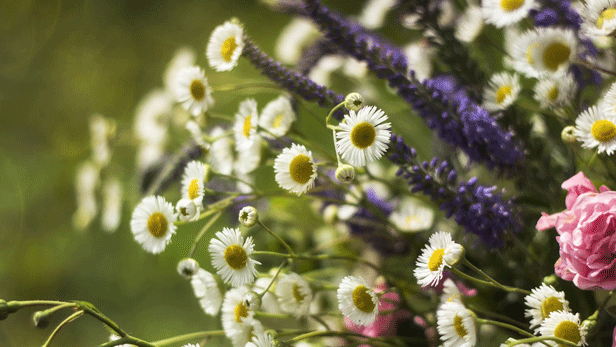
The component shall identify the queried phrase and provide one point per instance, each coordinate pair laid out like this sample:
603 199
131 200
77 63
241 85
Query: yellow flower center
236 257
363 135
529 53
247 126
362 299
549 305
227 49
510 5
555 54
569 331
458 324
502 93
197 90
603 130
193 189
298 296
157 224
411 219
607 14
553 93
436 259
240 311
301 169
278 121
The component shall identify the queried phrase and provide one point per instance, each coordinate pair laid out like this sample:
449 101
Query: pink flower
614 338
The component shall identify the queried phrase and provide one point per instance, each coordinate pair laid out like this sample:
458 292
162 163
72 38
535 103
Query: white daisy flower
114 337
192 91
101 132
193 181
248 216
555 92
596 129
188 267
564 325
293 38
450 292
225 46
503 13
197 135
357 301
373 14
187 210
269 302
550 52
599 17
245 126
191 345
241 335
220 157
277 117
152 223
456 325
262 339
470 24
412 215
502 91
152 117
231 257
206 291
536 344
182 58
87 181
431 262
148 154
111 211
295 169
321 72
248 159
294 294
419 55
608 102
363 137
542 301
235 314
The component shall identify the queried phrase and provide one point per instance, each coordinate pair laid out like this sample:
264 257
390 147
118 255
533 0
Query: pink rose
587 239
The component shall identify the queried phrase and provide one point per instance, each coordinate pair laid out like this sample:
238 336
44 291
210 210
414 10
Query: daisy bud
252 301
345 173
187 210
354 102
568 134
188 267
248 216
453 254
550 280
41 319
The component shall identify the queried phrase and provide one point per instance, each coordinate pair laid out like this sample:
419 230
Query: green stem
541 339
64 322
331 113
494 282
272 315
284 243
189 337
235 87
128 340
205 228
273 279
94 312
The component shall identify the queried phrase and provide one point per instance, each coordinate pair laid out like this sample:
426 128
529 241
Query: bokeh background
60 62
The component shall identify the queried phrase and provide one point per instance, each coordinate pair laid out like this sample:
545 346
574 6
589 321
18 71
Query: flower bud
248 216
568 134
354 102
550 280
252 301
188 267
187 210
345 173
453 254
4 310
41 319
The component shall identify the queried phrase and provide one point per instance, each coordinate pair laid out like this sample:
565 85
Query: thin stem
205 228
235 87
233 178
273 278
128 340
61 325
596 67
93 311
284 243
320 321
189 337
541 339
495 283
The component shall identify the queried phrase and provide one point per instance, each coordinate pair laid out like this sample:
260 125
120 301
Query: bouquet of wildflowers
422 173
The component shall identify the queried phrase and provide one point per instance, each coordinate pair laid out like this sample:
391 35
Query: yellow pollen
529 53
436 259
502 93
550 305
363 135
298 296
193 189
157 224
510 5
362 299
197 90
569 331
553 93
411 219
278 121
555 54
227 49
240 311
607 14
459 326
301 169
247 126
603 130
236 257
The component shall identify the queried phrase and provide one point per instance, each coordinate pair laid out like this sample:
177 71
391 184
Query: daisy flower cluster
394 178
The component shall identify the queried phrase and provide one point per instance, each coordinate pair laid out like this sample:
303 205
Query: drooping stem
280 239
205 228
61 325
188 337
491 280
